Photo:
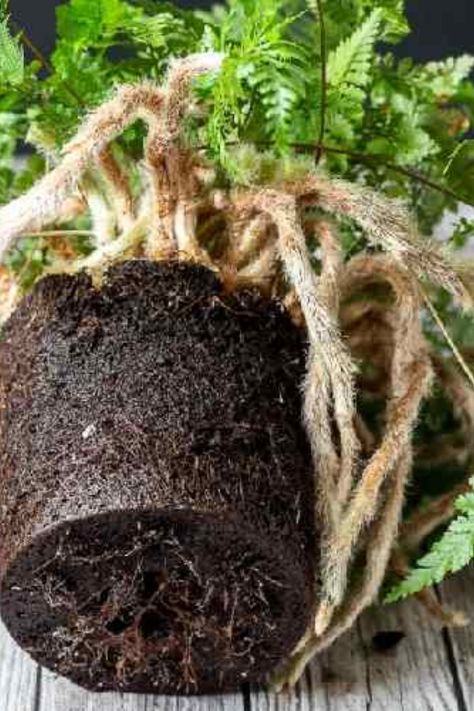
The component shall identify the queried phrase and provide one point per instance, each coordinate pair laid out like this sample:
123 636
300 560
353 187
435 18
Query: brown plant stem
365 158
427 519
45 63
408 172
323 95
456 352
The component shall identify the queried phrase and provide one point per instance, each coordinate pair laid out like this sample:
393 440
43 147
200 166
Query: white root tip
323 618
199 63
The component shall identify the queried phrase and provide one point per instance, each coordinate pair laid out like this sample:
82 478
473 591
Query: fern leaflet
349 64
453 551
12 63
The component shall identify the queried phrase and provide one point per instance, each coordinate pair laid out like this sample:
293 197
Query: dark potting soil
157 509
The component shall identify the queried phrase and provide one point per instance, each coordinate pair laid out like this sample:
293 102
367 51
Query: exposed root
387 224
102 217
43 203
380 537
110 253
118 184
9 293
409 379
426 520
173 180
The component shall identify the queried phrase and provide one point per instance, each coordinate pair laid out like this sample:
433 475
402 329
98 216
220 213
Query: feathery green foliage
262 80
349 68
11 53
453 551
11 57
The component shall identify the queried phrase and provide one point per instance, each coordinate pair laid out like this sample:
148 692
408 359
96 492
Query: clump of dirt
157 520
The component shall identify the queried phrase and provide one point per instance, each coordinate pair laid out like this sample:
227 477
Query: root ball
157 519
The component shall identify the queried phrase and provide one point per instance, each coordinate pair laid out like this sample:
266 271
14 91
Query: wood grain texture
57 694
336 681
354 675
416 674
458 593
18 676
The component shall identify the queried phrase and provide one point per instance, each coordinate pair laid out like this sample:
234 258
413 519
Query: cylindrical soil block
157 508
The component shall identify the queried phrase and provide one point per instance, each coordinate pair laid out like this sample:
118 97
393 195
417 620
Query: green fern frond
445 77
12 61
279 89
350 62
160 31
81 21
453 551
262 78
269 90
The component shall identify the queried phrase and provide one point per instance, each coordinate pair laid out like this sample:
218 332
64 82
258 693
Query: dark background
439 27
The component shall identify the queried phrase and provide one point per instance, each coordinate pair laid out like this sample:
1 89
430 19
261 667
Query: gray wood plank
224 702
458 593
18 676
58 694
335 681
416 674
353 676
342 670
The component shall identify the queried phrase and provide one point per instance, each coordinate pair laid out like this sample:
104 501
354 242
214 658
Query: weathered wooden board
458 593
354 675
428 669
59 695
416 674
334 682
18 676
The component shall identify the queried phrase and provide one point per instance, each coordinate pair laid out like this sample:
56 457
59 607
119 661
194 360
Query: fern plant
452 552
349 71
11 56
299 80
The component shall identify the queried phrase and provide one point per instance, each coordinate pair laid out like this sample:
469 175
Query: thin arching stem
456 352
323 94
32 47
372 161
45 63
408 172
60 233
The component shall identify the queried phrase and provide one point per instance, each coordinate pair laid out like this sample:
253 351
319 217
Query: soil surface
156 522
